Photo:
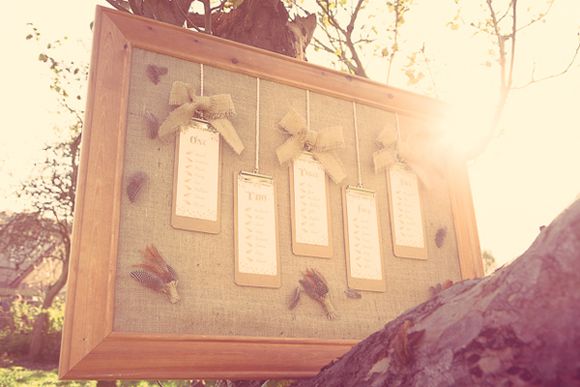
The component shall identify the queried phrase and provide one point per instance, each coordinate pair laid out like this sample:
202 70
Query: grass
19 376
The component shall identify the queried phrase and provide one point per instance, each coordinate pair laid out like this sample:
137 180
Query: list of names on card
406 207
363 235
256 225
197 172
310 205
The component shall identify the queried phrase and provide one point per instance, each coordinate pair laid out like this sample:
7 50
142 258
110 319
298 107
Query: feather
440 236
136 183
295 298
351 293
157 264
314 284
148 280
152 124
156 274
155 72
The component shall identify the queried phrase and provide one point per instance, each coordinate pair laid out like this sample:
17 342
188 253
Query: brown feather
155 261
136 182
351 293
152 124
155 72
295 298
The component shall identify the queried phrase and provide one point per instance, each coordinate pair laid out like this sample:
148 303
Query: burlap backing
211 304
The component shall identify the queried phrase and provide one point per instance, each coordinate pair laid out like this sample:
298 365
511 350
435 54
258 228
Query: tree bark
41 323
519 326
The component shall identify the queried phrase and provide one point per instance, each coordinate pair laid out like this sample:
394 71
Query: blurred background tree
43 231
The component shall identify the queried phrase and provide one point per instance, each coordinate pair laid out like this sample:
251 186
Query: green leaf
29 36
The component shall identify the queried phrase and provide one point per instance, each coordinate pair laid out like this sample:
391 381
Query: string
256 165
398 136
201 85
307 109
358 168
201 79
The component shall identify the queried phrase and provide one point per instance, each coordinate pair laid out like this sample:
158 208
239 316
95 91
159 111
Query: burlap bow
216 109
387 155
322 144
417 154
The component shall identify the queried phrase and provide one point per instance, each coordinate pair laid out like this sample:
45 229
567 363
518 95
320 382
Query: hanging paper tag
196 180
256 231
362 240
406 214
310 210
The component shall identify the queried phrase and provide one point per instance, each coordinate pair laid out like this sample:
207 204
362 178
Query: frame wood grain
91 349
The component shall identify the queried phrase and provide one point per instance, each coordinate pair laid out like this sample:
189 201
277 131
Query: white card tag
406 207
364 248
310 205
198 172
256 226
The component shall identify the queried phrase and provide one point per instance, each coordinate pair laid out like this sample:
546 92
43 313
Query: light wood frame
91 348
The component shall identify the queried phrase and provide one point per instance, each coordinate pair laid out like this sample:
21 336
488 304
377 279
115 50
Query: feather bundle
316 286
155 72
156 274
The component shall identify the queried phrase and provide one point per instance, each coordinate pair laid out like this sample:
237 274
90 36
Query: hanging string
256 165
397 127
307 109
358 168
201 79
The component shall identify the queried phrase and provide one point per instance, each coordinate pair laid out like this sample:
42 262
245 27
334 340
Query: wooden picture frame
305 249
91 347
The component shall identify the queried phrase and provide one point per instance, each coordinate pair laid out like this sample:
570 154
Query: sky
523 180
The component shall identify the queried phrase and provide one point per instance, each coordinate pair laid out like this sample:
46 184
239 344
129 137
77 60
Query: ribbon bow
216 109
385 156
322 144
417 154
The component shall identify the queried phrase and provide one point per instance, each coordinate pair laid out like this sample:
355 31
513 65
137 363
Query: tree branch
395 45
500 42
513 50
540 17
564 71
120 5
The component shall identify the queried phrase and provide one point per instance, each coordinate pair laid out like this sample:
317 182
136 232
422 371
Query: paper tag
310 205
364 250
198 172
256 226
406 207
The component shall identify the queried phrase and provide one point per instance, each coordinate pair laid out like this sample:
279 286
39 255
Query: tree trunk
258 23
519 326
41 323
